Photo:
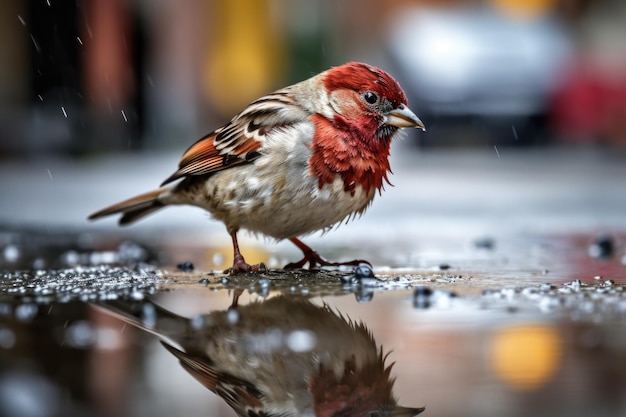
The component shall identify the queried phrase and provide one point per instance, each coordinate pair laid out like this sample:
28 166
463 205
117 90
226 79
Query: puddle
118 328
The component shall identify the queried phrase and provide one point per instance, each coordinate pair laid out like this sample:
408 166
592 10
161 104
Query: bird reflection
284 356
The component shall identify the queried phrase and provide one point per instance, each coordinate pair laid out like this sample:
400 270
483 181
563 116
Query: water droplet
232 316
22 21
25 312
364 295
137 295
348 279
148 315
225 280
11 253
24 393
79 40
80 334
301 341
217 259
64 112
124 116
364 271
197 322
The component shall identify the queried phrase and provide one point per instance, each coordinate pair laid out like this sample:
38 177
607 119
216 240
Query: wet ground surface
508 301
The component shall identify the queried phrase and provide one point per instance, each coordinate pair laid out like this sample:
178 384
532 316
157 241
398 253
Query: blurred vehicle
479 76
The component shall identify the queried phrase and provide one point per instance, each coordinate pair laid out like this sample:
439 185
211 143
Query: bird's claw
240 266
314 260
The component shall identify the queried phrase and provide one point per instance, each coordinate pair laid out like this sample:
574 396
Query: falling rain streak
124 116
496 149
32 38
64 112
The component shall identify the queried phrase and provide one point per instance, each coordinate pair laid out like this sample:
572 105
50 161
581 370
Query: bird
282 356
299 160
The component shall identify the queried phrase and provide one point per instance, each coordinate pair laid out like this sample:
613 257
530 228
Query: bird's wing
241 395
241 140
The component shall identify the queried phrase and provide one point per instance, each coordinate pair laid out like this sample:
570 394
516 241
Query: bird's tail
134 208
147 316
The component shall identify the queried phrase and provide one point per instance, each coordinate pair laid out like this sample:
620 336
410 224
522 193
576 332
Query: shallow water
504 328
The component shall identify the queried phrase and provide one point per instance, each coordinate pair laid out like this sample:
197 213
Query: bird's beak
400 411
403 117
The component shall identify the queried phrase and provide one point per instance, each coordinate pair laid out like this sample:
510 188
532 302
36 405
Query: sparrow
299 160
284 356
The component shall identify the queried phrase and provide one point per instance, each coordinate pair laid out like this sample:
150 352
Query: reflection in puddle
281 357
471 355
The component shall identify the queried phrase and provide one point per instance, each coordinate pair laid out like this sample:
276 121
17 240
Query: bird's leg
236 294
239 264
314 259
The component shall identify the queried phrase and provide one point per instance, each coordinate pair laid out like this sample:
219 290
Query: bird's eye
370 97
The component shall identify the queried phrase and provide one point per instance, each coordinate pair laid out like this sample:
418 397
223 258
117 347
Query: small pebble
444 267
185 266
422 297
603 247
484 243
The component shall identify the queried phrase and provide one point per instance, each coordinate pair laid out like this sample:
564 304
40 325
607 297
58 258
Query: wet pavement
498 287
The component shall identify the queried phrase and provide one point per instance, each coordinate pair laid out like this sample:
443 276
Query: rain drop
32 38
514 130
64 112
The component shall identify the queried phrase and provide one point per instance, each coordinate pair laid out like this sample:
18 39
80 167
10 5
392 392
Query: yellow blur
526 356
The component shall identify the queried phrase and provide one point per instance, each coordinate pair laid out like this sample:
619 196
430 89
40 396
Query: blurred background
93 76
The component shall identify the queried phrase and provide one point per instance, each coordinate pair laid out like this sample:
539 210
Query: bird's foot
241 266
314 259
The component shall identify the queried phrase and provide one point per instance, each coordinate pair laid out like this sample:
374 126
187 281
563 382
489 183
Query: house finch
296 161
281 357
